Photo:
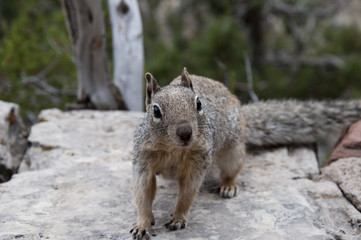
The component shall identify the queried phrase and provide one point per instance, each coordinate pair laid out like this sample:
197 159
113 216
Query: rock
13 140
76 184
346 173
62 138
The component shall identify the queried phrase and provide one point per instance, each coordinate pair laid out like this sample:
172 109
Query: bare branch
44 86
298 11
222 66
38 80
42 74
252 93
332 62
34 80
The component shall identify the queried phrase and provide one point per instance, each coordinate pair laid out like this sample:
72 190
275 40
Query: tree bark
128 51
85 23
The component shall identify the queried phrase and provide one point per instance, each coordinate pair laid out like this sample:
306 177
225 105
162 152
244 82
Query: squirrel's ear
185 79
152 88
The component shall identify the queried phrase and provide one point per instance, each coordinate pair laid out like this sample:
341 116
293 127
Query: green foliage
219 40
221 8
342 40
34 40
318 83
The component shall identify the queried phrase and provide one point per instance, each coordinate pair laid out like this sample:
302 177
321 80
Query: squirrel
195 120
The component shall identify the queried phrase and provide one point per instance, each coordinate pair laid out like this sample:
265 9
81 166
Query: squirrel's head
175 112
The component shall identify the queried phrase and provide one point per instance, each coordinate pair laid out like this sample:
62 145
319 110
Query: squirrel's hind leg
230 161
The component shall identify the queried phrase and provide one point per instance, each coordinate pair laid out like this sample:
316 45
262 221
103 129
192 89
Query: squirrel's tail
295 122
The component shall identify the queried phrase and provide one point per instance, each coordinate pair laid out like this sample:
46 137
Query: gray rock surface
76 184
346 173
13 141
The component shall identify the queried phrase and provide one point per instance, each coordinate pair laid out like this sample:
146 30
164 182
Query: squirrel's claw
175 224
139 233
228 191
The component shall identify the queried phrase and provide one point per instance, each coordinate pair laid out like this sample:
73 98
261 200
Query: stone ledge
75 184
346 173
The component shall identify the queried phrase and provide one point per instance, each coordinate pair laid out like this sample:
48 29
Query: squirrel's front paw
176 223
138 232
228 191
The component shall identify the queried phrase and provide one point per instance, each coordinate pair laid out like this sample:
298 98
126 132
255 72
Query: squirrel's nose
184 131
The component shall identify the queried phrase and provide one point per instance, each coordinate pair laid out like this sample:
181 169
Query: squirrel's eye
157 113
199 104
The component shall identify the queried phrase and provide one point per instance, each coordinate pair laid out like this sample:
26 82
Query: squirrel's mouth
184 143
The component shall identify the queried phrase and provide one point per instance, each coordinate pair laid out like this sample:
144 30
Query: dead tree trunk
128 51
85 23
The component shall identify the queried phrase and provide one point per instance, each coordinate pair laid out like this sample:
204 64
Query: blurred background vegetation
300 49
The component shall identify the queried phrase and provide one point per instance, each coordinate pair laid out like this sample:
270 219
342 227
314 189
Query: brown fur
163 145
178 139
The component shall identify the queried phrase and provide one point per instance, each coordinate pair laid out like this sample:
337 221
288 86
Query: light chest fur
176 163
